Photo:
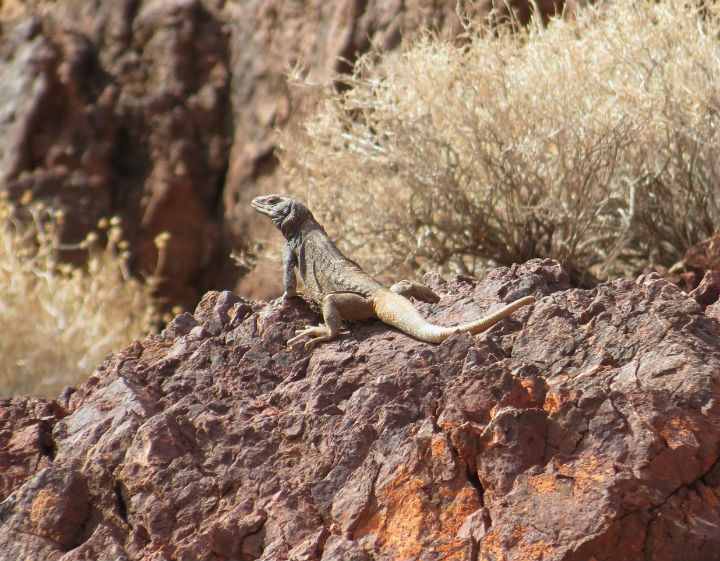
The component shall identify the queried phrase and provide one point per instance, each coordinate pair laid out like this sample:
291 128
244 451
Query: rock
56 124
708 290
699 260
585 426
26 443
166 113
704 256
58 509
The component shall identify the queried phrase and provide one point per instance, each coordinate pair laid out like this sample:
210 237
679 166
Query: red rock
26 444
586 426
700 260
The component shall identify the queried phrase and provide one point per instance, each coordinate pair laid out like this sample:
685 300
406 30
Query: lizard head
287 214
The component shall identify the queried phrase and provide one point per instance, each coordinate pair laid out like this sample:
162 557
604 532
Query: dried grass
593 141
59 321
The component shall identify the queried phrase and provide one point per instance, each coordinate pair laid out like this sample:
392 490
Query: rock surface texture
165 112
586 426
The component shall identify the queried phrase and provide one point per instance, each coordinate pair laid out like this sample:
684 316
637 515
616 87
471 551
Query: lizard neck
296 233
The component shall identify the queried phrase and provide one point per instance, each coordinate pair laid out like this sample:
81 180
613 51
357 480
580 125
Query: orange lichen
552 403
530 386
438 448
497 546
536 551
465 503
555 398
416 517
588 471
45 502
494 545
680 432
543 483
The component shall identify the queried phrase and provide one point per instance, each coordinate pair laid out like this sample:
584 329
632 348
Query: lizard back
325 270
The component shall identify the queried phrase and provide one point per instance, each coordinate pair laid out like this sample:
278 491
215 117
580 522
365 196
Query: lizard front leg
289 262
335 307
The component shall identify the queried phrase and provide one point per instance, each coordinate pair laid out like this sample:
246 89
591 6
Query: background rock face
585 426
124 109
165 112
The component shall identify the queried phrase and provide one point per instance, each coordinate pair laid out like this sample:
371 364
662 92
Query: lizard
343 291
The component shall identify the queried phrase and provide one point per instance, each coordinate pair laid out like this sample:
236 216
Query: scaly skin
344 291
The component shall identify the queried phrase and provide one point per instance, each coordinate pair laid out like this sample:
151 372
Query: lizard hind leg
417 290
335 307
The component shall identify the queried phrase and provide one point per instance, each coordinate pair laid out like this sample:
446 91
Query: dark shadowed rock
586 426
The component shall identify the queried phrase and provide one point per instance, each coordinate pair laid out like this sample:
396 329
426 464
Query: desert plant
593 140
58 320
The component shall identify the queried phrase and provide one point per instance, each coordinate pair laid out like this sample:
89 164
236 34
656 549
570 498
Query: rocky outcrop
165 112
700 270
586 426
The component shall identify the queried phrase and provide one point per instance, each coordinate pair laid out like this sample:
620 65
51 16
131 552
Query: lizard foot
417 290
321 333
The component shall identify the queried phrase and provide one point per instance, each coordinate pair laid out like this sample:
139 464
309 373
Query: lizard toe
307 332
312 342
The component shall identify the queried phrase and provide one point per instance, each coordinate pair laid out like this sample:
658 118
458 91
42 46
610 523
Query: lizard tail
399 312
487 322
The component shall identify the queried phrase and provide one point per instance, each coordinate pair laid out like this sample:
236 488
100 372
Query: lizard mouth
263 206
275 207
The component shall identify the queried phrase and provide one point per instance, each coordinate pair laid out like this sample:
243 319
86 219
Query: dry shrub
593 141
59 321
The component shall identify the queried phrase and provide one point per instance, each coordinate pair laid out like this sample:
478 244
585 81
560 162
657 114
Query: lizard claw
301 333
320 333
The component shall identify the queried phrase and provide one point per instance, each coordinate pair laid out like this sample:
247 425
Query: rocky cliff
586 426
